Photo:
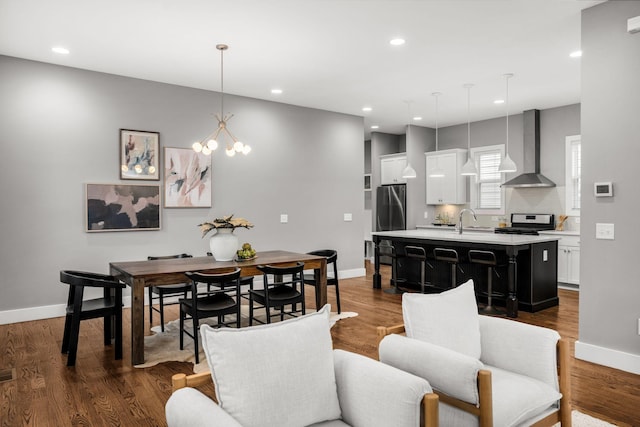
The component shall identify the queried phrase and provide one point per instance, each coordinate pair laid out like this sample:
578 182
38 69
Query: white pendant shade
469 168
437 172
409 172
507 165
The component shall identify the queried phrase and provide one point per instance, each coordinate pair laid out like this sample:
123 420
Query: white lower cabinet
569 260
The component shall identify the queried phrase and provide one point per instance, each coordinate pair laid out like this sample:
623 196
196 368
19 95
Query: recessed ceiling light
417 118
397 42
499 101
367 109
61 50
276 91
576 54
375 127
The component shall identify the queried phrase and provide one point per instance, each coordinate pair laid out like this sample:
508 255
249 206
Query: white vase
223 244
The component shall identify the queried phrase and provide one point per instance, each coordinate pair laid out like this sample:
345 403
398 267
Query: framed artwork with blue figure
139 155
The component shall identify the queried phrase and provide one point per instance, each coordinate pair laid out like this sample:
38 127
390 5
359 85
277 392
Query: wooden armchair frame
428 411
484 410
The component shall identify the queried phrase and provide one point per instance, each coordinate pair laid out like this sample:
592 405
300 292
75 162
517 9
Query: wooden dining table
141 274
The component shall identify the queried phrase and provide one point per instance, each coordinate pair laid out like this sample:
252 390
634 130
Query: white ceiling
328 54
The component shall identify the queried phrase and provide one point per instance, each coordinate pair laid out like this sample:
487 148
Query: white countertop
560 233
468 236
475 228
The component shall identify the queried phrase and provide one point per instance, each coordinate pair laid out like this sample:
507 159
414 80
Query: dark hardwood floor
100 391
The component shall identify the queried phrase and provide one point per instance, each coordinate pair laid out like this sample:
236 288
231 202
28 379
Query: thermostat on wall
603 189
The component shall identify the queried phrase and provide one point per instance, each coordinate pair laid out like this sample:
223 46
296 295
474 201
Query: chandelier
210 143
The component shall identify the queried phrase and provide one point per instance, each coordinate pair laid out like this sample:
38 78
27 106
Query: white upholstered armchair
287 374
486 371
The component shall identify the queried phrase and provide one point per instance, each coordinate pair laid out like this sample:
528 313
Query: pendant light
408 172
469 168
437 172
507 165
210 143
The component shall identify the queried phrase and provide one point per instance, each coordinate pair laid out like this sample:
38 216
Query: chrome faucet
460 218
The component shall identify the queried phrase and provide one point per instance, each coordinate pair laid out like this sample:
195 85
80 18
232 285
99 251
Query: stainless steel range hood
531 178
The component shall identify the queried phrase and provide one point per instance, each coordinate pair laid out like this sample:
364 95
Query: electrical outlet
284 218
348 217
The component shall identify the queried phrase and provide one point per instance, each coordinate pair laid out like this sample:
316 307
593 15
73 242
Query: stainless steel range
528 224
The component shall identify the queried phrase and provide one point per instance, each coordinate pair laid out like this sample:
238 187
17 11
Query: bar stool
386 249
487 258
449 256
419 254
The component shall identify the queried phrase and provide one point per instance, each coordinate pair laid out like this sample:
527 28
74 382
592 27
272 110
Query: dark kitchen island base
526 273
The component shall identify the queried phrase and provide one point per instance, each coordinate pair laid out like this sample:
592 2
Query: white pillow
448 319
279 374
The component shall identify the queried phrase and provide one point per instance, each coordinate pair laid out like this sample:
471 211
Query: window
573 174
487 197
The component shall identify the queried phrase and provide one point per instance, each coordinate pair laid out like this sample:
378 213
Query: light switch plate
284 218
348 217
605 231
426 214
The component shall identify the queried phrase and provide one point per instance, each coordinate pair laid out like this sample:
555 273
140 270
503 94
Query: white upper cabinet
451 188
391 167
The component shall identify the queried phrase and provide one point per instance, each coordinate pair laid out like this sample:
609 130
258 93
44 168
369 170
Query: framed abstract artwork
139 155
122 207
187 178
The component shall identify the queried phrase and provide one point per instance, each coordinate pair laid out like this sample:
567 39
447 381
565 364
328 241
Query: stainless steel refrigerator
391 201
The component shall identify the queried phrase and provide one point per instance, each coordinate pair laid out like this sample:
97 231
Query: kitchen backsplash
519 200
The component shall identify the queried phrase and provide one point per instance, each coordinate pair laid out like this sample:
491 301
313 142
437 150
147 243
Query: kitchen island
526 273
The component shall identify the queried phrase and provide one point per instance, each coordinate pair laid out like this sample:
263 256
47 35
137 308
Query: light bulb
206 151
197 147
230 151
138 168
246 150
238 146
152 169
124 168
212 144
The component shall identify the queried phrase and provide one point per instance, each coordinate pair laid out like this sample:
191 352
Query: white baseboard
608 357
355 272
39 313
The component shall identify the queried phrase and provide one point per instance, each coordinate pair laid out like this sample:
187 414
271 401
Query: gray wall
418 141
59 129
609 289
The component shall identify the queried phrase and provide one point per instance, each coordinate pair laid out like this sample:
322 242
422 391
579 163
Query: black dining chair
245 283
282 286
332 280
108 307
163 291
218 300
